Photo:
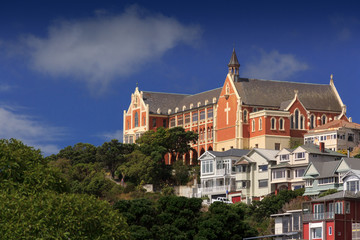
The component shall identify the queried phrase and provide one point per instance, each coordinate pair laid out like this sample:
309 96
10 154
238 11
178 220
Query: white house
217 172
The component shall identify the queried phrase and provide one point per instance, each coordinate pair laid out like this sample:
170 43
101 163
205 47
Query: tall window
164 123
195 117
312 121
136 119
172 122
292 121
210 113
154 122
180 120
323 119
202 115
273 123
296 119
253 125
187 119
302 122
260 123
281 124
207 166
245 117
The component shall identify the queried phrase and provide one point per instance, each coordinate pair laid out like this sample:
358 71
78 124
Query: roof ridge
281 81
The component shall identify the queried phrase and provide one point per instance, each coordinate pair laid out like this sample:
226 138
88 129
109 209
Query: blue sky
68 68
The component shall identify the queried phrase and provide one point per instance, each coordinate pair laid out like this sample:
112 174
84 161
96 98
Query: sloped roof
314 149
353 163
338 195
326 169
267 153
337 124
287 165
273 93
233 152
166 101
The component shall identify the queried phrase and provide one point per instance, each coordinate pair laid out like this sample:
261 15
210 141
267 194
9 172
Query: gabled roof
337 124
351 172
326 169
233 152
314 149
262 93
267 153
353 163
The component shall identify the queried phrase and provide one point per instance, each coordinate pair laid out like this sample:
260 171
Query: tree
175 141
112 154
79 153
16 159
49 215
140 167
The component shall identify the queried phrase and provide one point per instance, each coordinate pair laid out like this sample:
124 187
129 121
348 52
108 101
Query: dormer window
284 157
300 155
352 186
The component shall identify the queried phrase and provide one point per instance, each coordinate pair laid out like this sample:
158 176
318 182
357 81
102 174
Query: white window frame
273 126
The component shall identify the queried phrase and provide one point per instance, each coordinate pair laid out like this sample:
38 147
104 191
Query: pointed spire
234 61
234 65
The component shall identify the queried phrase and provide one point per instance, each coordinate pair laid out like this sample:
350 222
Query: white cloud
274 65
28 130
98 50
118 134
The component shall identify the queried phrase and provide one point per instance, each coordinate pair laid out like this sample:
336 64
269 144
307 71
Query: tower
234 66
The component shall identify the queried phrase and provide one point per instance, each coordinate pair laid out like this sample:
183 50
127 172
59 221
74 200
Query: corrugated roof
166 101
233 152
338 195
314 149
272 93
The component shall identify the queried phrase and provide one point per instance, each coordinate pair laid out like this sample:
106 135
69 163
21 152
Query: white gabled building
253 175
217 172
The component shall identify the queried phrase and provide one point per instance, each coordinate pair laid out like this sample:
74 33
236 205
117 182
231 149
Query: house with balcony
291 164
321 177
217 172
288 225
336 135
335 216
253 175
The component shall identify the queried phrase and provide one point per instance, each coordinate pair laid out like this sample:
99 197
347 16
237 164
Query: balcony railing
216 189
318 216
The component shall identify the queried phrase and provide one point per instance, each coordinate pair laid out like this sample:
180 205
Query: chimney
322 147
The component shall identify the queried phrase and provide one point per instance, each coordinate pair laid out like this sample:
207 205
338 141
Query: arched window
273 123
136 119
281 124
312 121
253 125
255 110
292 121
211 132
323 119
260 123
245 119
301 122
296 119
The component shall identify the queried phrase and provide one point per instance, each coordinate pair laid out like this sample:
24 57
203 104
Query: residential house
335 216
336 135
217 174
253 175
291 164
288 225
321 177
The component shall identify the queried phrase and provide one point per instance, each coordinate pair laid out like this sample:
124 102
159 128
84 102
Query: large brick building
243 113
